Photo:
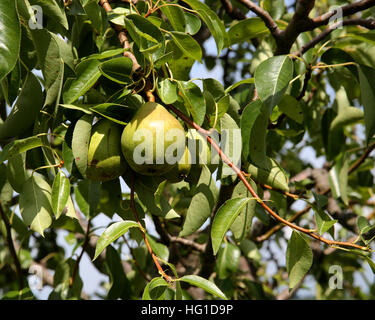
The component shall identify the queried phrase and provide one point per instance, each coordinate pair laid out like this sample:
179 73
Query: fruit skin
154 118
181 170
104 159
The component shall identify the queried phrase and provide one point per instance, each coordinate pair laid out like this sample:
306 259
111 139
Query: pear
104 159
181 170
149 138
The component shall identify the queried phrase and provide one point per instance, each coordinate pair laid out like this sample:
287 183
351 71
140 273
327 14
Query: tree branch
242 177
123 38
12 250
346 10
366 23
264 15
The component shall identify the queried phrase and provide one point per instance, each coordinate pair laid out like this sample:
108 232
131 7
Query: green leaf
201 204
87 74
51 63
120 285
187 44
180 64
299 258
224 218
117 69
247 29
194 100
272 78
242 224
228 260
53 11
114 112
112 233
16 171
193 23
212 21
214 87
35 204
363 224
292 108
147 36
249 115
23 114
80 142
19 146
367 85
205 284
60 193
338 178
159 249
167 91
105 54
175 16
155 289
10 37
324 222
239 83
87 195
84 108
273 175
250 250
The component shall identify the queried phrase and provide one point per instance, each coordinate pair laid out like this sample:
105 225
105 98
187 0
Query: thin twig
366 23
123 38
153 255
12 250
364 156
264 15
255 195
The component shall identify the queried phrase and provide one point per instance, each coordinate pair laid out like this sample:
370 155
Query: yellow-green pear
153 141
181 170
104 159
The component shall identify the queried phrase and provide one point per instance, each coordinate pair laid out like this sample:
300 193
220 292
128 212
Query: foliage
293 85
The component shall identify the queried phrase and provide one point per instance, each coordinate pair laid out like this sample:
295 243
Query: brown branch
352 168
123 38
190 243
12 250
364 156
242 177
366 23
302 23
264 15
233 12
347 10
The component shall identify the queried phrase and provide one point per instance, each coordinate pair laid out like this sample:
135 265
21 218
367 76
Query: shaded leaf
224 218
112 233
205 284
10 37
201 204
35 204
60 193
117 69
87 74
367 85
299 258
272 78
188 45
